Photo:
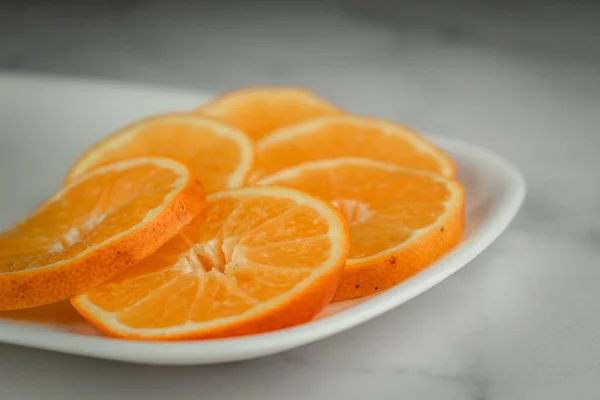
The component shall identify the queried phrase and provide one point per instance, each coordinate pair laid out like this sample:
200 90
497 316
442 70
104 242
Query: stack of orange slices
246 215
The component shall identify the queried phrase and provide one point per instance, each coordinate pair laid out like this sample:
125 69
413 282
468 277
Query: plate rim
247 347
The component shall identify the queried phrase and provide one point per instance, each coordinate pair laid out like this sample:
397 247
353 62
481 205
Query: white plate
47 121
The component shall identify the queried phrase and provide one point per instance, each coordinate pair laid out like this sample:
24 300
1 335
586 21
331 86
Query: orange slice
261 110
220 156
348 136
256 259
93 228
400 220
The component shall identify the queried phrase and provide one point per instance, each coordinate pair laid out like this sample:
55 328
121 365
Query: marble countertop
522 321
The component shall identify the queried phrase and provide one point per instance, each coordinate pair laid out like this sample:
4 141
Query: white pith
75 234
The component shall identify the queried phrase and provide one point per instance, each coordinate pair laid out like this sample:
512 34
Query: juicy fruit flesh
384 207
342 137
354 211
210 149
259 113
94 211
236 255
244 254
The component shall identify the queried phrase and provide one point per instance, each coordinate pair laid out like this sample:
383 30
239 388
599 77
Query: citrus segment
261 110
220 156
400 220
255 259
93 228
348 136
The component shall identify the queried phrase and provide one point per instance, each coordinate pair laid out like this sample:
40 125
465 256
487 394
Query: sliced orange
400 220
348 136
258 111
93 228
256 259
220 156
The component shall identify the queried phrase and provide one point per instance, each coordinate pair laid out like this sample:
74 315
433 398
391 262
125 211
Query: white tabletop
522 321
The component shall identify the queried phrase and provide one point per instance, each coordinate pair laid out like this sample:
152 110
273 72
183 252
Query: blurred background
519 77
457 67
392 58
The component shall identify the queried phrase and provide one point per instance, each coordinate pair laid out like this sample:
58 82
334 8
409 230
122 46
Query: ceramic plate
47 121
